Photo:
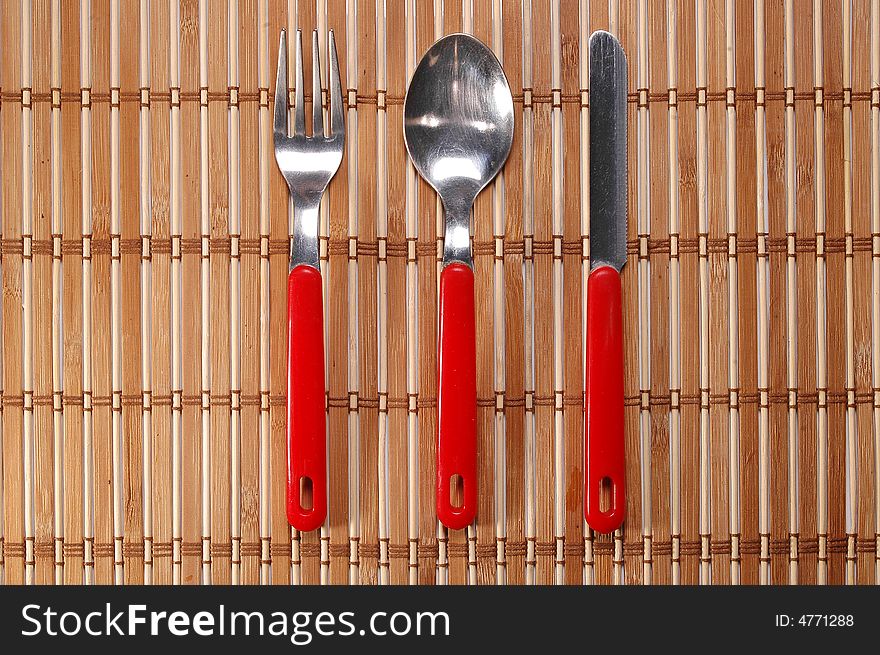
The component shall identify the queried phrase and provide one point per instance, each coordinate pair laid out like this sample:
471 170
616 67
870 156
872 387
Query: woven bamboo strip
837 327
56 370
763 263
382 181
413 377
571 475
176 288
625 25
863 70
159 307
132 135
343 225
482 537
791 292
806 214
718 296
85 162
264 149
336 538
751 291
249 293
875 273
733 317
544 465
116 403
206 462
396 505
188 207
242 475
851 516
821 301
16 207
771 444
639 522
220 383
689 307
99 296
72 549
146 288
864 507
499 224
743 301
852 439
249 219
674 286
234 227
746 467
39 367
363 532
30 205
481 543
428 26
584 193
250 137
713 288
528 232
557 291
703 228
509 37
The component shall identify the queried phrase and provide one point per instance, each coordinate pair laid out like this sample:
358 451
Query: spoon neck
457 238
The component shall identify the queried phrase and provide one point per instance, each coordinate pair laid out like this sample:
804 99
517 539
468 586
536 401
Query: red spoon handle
306 420
457 399
603 406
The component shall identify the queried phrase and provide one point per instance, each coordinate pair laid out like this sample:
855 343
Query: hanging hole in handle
456 491
306 497
606 488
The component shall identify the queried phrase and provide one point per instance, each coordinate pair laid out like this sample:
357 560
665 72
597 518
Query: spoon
458 129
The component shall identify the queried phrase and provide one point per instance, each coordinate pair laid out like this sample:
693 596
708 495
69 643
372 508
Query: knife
603 374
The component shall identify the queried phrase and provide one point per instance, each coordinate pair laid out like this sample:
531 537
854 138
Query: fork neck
304 245
457 237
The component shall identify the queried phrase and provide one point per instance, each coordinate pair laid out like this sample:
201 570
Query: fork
307 164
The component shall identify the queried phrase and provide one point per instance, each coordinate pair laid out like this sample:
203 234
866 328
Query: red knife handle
457 397
603 406
306 420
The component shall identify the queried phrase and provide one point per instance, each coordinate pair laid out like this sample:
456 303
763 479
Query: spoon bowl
458 119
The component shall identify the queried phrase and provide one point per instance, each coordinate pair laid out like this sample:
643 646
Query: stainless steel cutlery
458 130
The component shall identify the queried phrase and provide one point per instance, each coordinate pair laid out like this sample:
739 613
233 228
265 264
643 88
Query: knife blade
604 472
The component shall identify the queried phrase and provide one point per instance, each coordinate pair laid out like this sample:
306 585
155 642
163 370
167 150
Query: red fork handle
306 420
603 402
457 396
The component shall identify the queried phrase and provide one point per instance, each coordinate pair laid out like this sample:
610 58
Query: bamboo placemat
144 258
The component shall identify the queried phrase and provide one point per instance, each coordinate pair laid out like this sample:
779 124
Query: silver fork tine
317 109
337 124
299 110
280 122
